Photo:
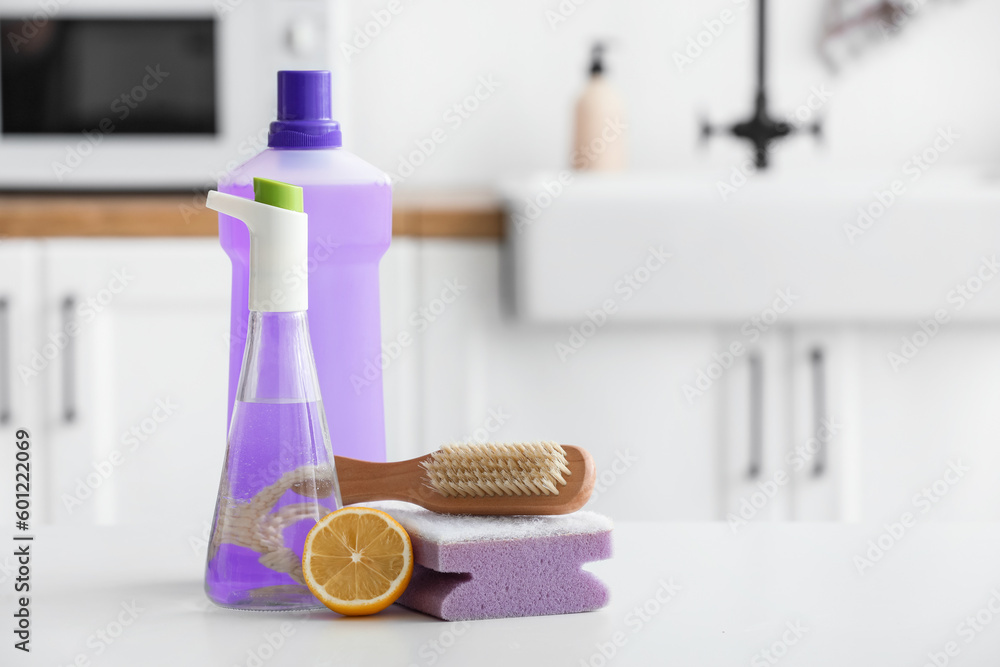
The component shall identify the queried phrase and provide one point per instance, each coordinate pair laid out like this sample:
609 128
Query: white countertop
739 595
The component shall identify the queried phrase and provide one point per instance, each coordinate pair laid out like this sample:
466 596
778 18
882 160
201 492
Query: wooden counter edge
40 216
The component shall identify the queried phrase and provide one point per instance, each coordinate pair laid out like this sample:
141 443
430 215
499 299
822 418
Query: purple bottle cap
304 112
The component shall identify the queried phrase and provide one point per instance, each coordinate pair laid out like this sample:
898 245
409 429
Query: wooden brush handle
363 481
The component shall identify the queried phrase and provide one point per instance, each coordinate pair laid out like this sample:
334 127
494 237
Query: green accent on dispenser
276 193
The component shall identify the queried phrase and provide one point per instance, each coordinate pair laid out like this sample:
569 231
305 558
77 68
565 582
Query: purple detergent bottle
349 205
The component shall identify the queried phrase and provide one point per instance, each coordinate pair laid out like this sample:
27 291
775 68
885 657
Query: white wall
942 69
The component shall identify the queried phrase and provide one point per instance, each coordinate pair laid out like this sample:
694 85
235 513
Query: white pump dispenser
599 139
279 243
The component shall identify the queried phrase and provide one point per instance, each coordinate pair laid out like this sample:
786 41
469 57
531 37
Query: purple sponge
474 567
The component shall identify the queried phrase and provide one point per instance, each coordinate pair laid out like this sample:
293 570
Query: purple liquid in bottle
279 476
349 204
236 577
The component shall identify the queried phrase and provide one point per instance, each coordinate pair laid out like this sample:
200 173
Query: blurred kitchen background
819 340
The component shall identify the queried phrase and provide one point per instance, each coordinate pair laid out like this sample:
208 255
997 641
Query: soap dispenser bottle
279 478
599 131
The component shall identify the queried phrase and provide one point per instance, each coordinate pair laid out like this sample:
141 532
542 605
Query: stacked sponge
477 567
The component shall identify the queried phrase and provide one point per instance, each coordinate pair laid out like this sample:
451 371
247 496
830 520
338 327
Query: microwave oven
119 95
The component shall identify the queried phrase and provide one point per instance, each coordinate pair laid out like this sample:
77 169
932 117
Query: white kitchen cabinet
94 363
859 439
790 450
921 419
485 376
19 340
822 456
753 423
135 401
399 286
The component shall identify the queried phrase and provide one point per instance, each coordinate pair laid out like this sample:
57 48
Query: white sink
779 232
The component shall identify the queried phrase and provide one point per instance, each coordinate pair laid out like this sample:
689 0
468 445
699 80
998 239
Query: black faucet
761 129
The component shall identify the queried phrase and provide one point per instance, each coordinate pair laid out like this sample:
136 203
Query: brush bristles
515 469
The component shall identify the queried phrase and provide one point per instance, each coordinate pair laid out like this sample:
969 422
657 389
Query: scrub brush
523 478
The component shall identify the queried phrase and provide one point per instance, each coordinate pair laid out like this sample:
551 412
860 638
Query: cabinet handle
69 363
818 363
4 361
756 416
